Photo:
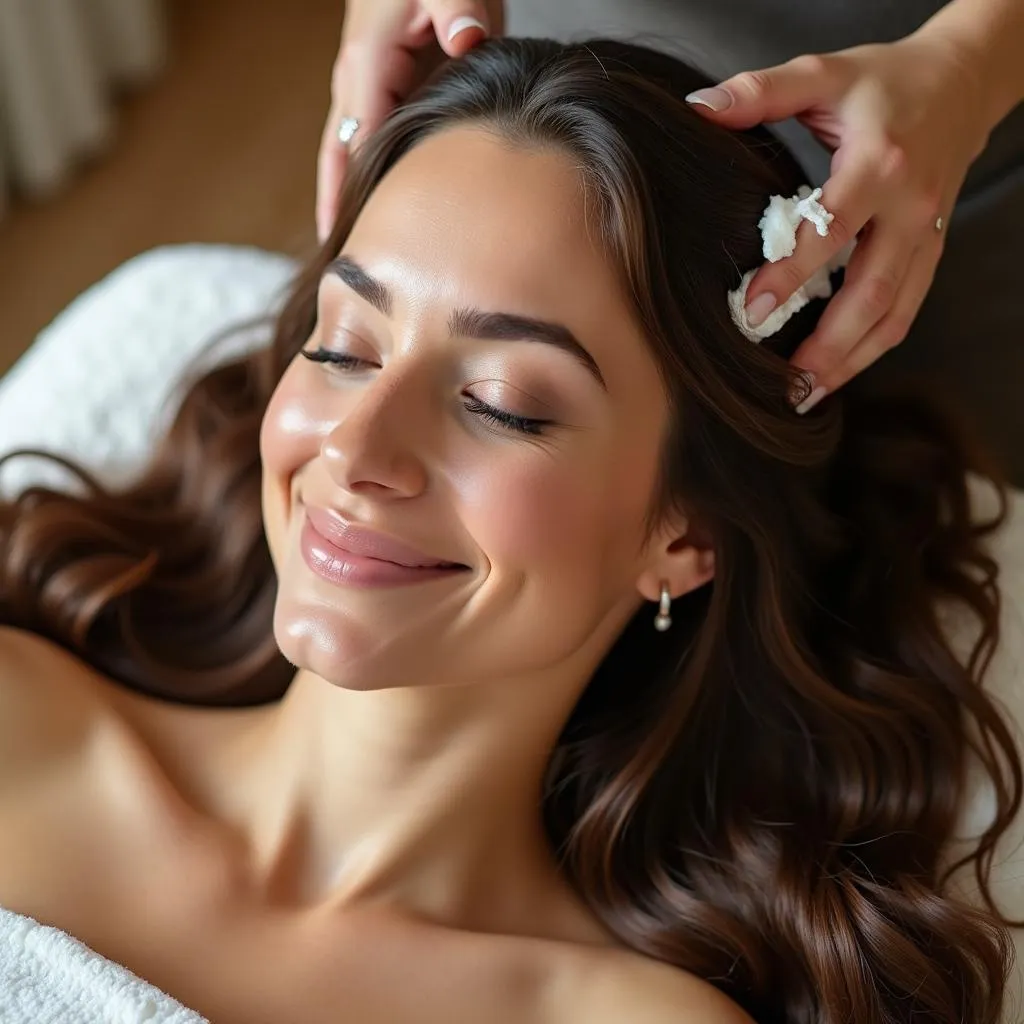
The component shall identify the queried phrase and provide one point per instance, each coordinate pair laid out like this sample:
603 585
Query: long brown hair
761 795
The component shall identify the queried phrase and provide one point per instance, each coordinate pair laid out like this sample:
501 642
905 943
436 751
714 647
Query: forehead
468 217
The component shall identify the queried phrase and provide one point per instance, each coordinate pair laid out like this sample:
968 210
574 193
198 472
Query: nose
372 448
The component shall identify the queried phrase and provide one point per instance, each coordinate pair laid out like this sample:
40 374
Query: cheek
290 437
524 516
538 517
291 431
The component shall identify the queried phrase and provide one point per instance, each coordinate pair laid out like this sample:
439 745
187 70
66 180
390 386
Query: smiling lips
344 553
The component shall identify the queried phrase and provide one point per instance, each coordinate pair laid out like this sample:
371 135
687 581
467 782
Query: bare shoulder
48 705
651 992
626 986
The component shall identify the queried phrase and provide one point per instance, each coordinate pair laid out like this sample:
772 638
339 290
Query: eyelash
497 417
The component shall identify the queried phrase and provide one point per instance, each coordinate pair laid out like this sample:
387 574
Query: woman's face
495 412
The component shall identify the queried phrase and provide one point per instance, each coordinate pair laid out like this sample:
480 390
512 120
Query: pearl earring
663 620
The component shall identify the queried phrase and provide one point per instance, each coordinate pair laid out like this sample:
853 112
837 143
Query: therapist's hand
905 121
387 48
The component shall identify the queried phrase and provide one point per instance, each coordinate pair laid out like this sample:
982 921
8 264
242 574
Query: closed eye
503 418
326 355
489 413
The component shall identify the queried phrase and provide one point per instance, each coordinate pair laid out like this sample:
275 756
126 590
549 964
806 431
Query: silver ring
347 127
939 223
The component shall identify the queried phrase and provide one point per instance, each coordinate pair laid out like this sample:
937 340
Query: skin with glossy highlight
379 829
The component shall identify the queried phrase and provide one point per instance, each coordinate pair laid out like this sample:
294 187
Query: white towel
99 384
48 977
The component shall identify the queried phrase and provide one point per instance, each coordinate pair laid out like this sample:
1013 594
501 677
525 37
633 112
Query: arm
991 33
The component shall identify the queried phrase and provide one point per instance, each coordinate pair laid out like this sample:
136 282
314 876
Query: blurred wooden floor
220 148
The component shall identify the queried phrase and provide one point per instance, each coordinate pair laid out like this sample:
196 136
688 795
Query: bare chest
175 916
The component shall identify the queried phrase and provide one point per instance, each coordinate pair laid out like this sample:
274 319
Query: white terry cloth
100 383
48 977
778 233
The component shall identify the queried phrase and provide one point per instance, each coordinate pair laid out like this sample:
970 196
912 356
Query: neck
425 798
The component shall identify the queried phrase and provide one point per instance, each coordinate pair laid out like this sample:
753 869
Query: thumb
771 94
459 24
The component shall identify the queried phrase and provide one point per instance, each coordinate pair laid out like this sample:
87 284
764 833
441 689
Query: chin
334 648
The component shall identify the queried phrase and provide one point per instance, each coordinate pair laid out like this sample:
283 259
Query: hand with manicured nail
387 48
905 121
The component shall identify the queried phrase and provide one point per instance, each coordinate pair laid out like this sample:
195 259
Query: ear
681 555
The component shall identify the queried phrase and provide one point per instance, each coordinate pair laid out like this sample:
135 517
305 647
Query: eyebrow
469 322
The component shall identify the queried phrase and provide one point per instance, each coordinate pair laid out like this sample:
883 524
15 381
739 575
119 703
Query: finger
373 80
332 160
367 84
893 327
852 195
874 279
459 24
769 94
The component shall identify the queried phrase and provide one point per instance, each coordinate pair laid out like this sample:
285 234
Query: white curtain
60 61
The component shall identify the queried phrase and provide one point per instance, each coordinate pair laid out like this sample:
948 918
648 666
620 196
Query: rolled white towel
49 977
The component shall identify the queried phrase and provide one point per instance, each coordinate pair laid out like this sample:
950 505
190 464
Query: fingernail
760 308
462 23
717 99
811 400
801 387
